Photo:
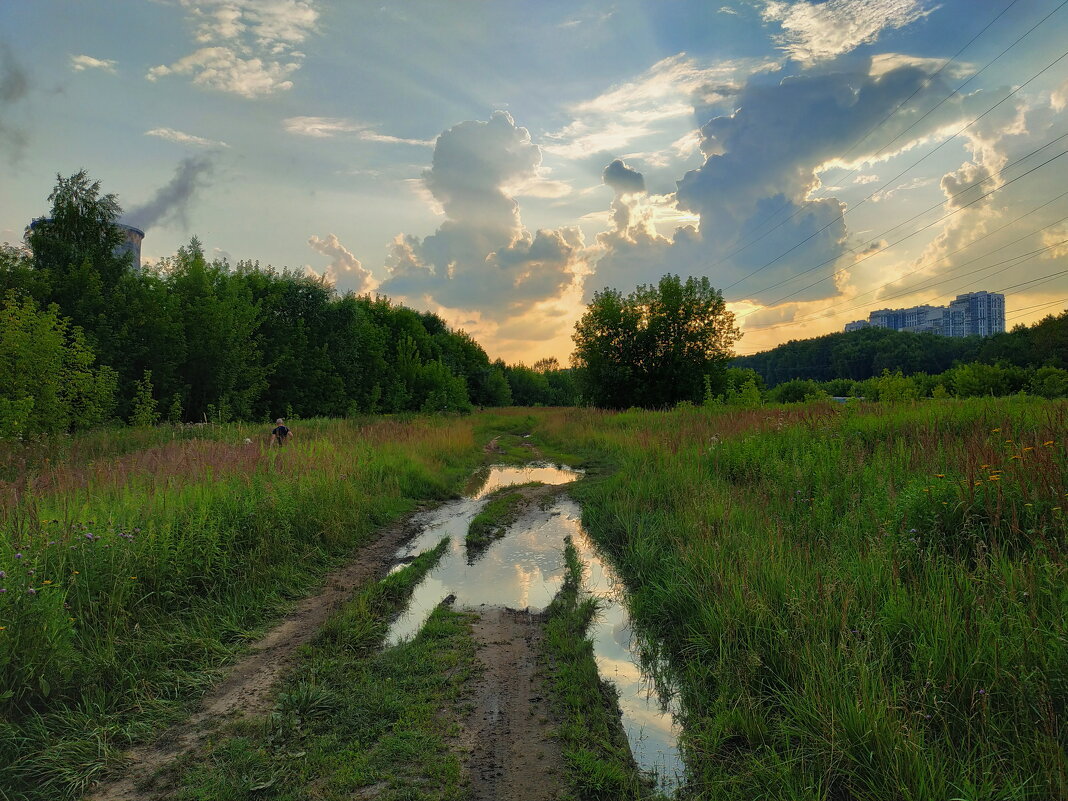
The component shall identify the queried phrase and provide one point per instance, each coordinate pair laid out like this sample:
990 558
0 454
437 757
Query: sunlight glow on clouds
818 31
251 44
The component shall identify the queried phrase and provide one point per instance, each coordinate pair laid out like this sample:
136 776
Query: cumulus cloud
172 202
14 87
182 138
753 194
814 32
344 269
82 63
250 47
622 178
481 258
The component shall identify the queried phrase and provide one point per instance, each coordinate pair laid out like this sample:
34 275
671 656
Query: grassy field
132 564
853 602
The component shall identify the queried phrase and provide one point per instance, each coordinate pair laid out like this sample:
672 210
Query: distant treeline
859 355
85 340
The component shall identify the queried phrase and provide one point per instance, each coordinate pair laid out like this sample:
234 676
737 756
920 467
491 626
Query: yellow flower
133 577
1017 457
940 475
994 430
75 573
995 478
983 466
47 582
1028 504
1008 442
1048 443
3 628
1029 448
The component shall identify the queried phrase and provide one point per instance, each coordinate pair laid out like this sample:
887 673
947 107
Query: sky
499 162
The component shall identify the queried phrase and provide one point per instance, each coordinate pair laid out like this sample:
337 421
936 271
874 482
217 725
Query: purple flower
89 536
3 589
3 574
912 531
18 556
31 591
982 692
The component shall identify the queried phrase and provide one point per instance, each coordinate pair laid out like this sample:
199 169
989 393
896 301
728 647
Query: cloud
752 196
328 127
622 178
14 87
224 69
182 138
482 259
81 63
344 269
321 127
250 46
814 32
662 97
171 202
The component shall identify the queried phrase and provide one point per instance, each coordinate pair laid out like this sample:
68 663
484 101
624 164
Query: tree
654 347
76 250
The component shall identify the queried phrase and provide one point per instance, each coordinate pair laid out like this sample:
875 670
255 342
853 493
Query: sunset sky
498 162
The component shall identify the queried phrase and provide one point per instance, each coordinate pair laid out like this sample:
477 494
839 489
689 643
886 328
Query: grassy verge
851 602
127 581
353 720
501 510
600 764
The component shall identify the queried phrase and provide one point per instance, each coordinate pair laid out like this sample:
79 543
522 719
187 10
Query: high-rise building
973 313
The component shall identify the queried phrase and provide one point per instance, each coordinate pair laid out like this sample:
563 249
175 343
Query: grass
128 581
352 718
599 761
501 510
852 603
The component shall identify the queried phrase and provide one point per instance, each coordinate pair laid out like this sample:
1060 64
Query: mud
513 756
246 689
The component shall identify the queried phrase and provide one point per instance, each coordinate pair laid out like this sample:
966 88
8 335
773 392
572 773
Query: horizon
497 165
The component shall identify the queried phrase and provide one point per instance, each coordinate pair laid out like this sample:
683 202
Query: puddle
525 570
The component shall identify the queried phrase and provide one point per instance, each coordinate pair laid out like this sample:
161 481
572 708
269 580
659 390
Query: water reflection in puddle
525 570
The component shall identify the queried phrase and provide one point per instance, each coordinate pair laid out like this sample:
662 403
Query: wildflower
75 573
912 531
1029 448
940 475
47 581
994 430
995 478
133 577
3 589
1017 457
31 591
3 574
18 556
1008 442
983 466
1048 443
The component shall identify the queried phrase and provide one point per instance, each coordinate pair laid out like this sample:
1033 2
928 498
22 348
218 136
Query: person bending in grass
280 433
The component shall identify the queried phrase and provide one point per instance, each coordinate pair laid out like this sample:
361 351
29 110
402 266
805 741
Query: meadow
852 601
135 562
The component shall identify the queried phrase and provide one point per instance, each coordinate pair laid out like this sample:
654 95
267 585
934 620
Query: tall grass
854 603
125 579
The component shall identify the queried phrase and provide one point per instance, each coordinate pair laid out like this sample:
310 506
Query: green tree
48 379
75 248
654 347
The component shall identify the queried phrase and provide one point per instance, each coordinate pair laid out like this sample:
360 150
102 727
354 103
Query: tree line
85 339
867 353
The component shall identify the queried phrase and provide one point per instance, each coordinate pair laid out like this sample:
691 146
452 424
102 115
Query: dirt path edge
246 688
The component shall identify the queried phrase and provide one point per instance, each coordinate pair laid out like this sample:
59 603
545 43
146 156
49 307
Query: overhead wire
910 167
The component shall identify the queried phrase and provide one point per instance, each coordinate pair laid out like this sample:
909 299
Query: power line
881 250
924 84
906 170
823 313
